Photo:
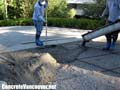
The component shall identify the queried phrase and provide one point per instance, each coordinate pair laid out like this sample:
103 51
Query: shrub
14 22
72 13
7 23
57 8
82 23
11 12
93 10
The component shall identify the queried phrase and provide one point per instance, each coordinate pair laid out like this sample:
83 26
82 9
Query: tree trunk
5 8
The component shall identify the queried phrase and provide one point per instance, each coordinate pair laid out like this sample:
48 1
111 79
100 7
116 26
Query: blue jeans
39 26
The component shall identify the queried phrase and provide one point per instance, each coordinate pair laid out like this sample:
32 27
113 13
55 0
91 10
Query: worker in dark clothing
112 10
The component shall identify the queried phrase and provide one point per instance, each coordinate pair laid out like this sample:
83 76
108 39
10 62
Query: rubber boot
108 45
113 45
38 42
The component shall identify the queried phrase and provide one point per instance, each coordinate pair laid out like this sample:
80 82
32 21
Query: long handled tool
46 26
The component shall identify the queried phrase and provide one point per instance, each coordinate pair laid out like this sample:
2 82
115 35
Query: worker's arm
39 15
106 11
119 10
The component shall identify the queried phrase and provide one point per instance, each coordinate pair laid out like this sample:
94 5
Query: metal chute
99 32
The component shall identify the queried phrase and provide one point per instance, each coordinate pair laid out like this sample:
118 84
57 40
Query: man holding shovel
38 19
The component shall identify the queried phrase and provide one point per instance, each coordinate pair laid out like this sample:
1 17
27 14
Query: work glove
42 18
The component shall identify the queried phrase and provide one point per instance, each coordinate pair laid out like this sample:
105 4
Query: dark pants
112 37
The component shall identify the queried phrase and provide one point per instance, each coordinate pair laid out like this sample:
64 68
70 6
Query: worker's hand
42 18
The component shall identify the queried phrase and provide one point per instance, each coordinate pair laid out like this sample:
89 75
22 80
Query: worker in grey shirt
38 19
112 10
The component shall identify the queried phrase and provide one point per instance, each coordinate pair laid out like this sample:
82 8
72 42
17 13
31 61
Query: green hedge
15 22
82 23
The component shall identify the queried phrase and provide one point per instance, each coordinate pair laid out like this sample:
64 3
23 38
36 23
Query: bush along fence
81 23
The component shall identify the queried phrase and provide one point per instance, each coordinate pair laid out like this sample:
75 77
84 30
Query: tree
2 9
21 8
7 9
27 7
24 8
94 10
57 8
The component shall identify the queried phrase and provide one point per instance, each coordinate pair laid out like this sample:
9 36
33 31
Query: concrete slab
106 61
71 46
86 66
117 70
92 52
16 36
65 55
101 44
29 45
